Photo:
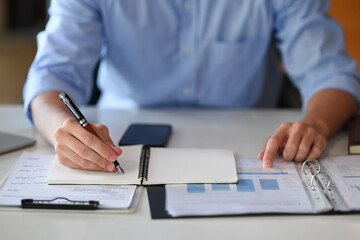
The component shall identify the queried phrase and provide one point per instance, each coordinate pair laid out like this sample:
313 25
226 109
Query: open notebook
150 166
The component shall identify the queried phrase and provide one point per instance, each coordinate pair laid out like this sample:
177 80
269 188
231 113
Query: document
272 190
345 172
28 180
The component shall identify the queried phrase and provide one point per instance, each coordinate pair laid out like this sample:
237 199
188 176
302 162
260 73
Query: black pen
83 122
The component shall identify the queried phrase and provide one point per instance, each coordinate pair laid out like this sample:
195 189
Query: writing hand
295 141
78 148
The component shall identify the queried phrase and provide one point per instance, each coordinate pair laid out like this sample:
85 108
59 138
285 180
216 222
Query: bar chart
258 190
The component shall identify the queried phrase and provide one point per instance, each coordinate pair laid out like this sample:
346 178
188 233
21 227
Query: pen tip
120 169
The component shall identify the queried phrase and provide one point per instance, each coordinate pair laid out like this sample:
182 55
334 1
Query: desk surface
243 131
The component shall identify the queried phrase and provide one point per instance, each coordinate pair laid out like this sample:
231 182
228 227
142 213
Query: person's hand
78 148
294 141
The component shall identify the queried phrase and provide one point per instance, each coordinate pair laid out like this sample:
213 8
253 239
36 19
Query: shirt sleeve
68 50
313 50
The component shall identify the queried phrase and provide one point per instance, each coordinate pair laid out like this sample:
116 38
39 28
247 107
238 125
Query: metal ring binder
309 161
314 163
323 194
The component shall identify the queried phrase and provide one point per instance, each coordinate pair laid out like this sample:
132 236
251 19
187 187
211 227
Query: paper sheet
344 172
28 180
273 190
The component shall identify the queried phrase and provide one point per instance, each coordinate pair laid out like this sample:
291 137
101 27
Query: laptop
10 142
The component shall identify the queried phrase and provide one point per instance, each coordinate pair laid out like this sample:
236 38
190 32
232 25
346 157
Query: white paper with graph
259 190
346 176
287 187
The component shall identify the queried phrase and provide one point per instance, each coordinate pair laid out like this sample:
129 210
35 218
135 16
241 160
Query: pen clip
71 106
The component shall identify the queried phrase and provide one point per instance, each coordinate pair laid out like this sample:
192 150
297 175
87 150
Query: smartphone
153 135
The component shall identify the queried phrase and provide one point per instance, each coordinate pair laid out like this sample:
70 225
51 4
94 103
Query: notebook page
184 165
129 161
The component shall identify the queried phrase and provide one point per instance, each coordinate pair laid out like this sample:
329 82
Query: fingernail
110 167
112 157
266 163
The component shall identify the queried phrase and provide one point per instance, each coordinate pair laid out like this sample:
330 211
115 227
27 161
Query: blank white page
183 165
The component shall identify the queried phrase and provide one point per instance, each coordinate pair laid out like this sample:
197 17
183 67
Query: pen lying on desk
83 122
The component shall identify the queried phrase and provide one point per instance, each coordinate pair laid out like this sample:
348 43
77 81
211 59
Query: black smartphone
153 135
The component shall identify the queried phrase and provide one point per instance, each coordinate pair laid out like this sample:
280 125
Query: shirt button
187 6
187 48
186 91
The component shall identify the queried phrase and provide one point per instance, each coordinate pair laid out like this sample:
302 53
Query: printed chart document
328 185
28 180
346 174
151 166
259 190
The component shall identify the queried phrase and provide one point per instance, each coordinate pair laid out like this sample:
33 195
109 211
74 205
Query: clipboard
39 198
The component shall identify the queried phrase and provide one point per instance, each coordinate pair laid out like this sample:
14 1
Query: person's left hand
294 141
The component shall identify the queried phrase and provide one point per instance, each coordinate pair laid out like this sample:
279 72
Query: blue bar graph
269 184
220 187
196 188
245 185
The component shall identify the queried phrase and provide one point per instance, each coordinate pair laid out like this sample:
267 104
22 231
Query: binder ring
309 161
320 173
312 179
327 177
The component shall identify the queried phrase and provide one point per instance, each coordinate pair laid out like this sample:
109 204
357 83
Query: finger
262 151
317 148
83 152
91 141
103 133
272 147
281 147
261 154
90 155
70 159
116 149
305 145
274 144
292 144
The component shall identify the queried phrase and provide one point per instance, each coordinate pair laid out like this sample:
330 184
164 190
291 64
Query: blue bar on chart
196 188
269 184
245 185
220 187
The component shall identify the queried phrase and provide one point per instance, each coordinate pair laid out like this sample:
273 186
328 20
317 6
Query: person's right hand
78 148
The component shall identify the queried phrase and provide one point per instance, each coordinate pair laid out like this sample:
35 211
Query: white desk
242 131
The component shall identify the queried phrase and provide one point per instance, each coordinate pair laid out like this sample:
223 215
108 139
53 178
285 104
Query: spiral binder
144 163
324 195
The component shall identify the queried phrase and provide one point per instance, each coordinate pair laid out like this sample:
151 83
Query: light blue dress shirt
192 53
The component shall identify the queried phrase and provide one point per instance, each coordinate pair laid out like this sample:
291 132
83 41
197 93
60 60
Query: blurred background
21 20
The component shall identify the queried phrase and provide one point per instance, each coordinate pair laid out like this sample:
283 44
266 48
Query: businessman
190 54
